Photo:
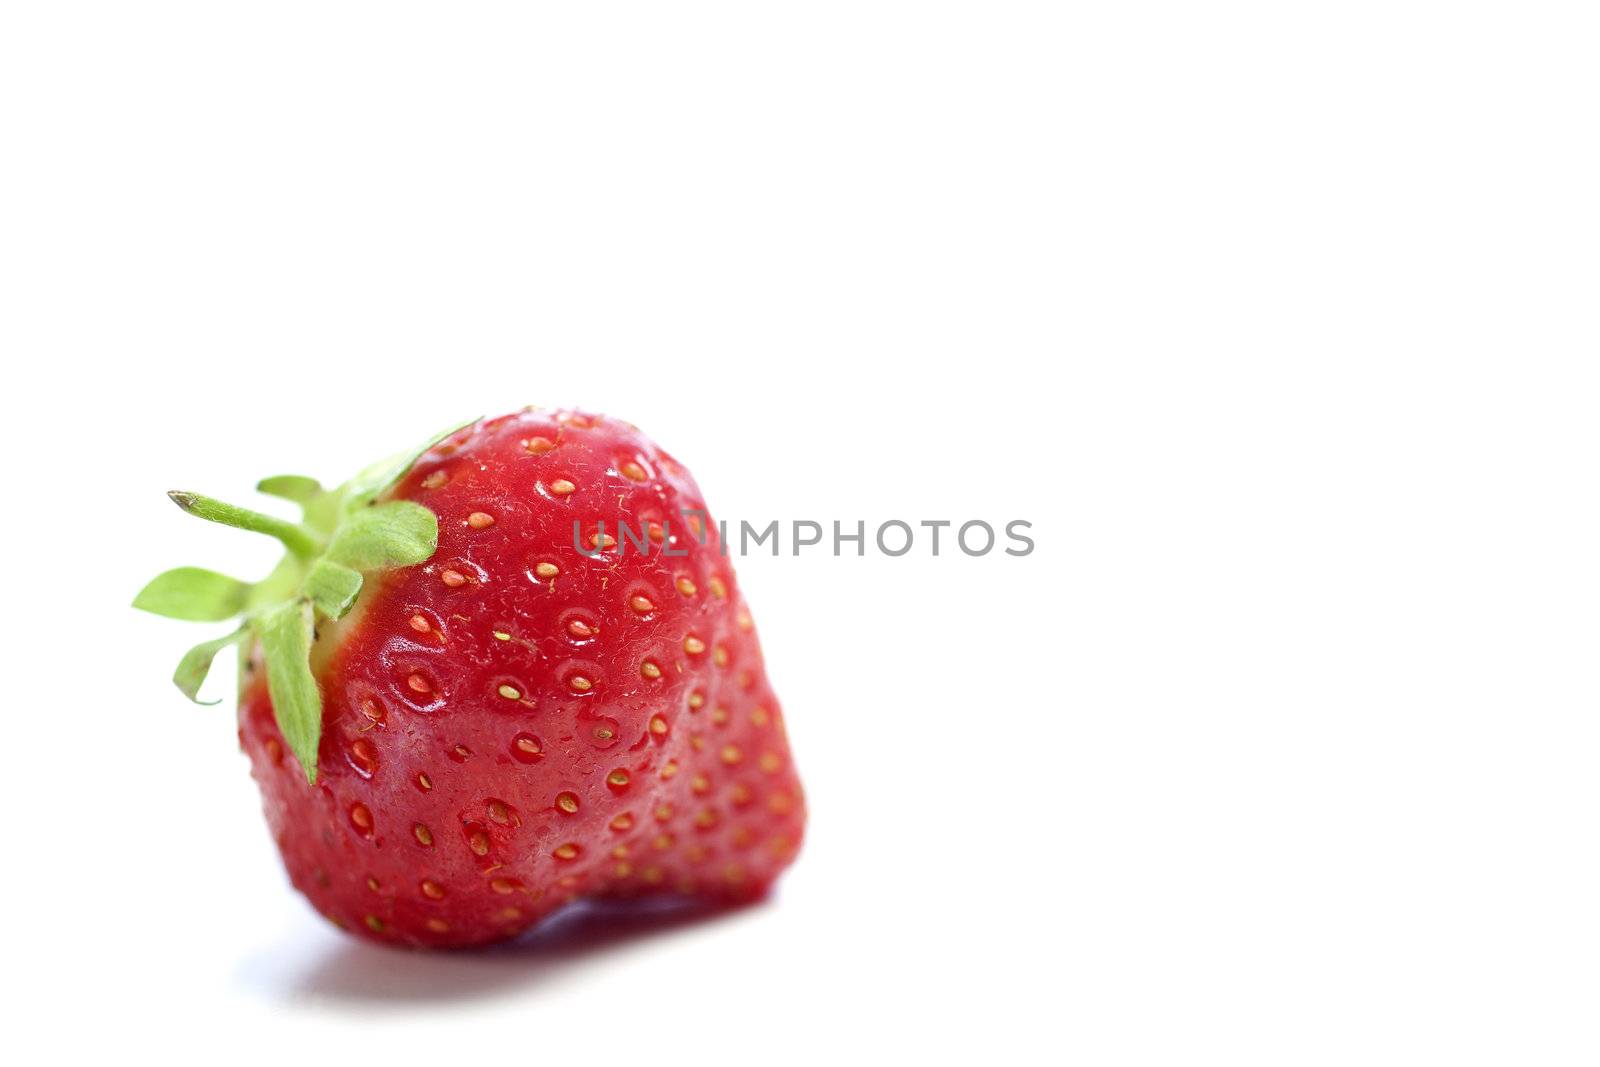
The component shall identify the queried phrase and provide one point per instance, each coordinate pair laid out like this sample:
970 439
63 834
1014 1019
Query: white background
1277 320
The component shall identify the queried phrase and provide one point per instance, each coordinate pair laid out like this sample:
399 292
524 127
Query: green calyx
344 535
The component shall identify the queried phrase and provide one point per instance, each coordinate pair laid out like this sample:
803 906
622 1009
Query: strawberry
502 673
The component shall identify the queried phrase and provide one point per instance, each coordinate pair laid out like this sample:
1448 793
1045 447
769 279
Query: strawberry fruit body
563 697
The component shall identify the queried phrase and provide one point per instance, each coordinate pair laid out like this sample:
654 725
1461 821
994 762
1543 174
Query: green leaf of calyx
193 594
333 587
297 539
286 640
319 507
397 534
378 478
196 664
295 487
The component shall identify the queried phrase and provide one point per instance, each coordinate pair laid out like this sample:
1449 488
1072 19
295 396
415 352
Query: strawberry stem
346 534
297 539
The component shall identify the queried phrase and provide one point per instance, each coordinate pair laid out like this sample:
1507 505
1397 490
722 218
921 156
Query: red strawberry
454 741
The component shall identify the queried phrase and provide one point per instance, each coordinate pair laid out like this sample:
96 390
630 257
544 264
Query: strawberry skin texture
513 725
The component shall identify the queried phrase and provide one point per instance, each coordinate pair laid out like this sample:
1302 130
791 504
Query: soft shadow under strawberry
362 974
